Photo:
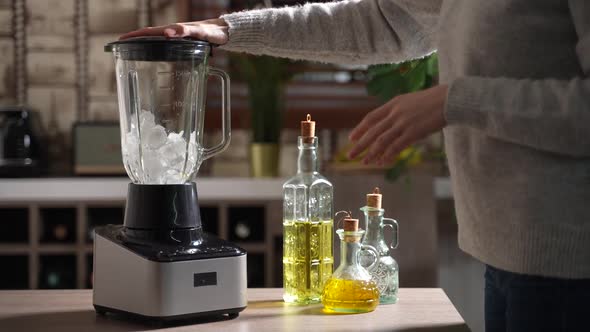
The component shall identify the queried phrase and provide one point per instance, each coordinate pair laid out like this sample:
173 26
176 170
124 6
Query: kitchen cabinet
48 226
48 217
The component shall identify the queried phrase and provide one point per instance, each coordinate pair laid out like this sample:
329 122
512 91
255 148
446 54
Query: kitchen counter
419 310
115 188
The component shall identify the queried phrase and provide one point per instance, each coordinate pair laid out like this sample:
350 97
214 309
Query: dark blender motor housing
163 224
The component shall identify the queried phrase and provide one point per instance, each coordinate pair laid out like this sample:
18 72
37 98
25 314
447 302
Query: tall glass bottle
386 273
307 225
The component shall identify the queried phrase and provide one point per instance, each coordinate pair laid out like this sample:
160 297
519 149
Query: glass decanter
386 273
307 225
351 288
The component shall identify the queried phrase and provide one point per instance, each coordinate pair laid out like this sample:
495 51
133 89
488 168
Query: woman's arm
347 32
551 115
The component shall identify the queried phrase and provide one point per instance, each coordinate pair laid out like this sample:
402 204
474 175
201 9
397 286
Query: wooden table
418 310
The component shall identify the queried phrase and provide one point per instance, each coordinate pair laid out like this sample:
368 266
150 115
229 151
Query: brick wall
7 88
67 75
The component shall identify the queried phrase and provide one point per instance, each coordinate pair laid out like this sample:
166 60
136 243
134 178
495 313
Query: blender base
128 283
231 314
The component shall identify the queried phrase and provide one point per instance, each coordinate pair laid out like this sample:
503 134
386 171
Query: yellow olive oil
308 259
350 296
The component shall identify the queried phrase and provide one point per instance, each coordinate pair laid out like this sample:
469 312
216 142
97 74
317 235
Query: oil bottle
308 257
386 272
351 289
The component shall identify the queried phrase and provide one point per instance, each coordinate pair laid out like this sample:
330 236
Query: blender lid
159 48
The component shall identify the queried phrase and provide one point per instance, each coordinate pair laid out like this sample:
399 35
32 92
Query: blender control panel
205 279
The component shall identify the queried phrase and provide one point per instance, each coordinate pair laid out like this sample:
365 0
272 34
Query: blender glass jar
161 85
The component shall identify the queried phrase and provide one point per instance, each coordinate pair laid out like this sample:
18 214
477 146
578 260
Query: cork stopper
374 199
351 225
308 129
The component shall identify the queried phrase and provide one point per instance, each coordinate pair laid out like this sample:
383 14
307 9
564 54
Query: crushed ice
163 155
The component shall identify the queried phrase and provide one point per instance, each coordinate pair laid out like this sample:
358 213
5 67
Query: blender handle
388 222
225 114
373 253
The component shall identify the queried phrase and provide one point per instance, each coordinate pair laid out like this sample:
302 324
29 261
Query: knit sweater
518 108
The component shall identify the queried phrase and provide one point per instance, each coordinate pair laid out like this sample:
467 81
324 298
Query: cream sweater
518 108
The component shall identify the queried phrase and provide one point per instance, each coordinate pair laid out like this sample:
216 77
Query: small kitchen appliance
22 152
160 264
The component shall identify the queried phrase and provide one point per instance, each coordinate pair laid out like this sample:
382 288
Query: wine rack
15 271
209 218
57 272
15 225
243 210
57 225
48 245
100 216
244 223
255 265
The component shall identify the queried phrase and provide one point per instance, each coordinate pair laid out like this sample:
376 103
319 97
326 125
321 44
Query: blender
160 264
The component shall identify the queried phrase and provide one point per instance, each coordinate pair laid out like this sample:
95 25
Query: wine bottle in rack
58 225
246 224
57 272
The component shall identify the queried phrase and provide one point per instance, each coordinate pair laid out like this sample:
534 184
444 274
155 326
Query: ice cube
130 146
173 177
195 154
173 153
130 151
193 149
153 138
175 137
146 119
131 142
153 168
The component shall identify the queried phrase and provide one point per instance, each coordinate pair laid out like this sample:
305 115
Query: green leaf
416 78
378 70
432 63
384 87
389 80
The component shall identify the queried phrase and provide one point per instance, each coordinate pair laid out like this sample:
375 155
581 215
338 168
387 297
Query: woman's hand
214 31
399 123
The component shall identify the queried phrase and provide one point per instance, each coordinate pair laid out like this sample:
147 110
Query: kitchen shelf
108 189
14 249
58 249
90 202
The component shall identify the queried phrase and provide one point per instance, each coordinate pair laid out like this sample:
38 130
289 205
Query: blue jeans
522 303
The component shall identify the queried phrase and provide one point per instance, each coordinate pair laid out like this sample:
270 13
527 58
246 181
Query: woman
514 102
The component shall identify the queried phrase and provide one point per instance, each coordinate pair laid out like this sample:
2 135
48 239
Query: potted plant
266 78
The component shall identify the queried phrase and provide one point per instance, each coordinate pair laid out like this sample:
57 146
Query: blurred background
58 93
